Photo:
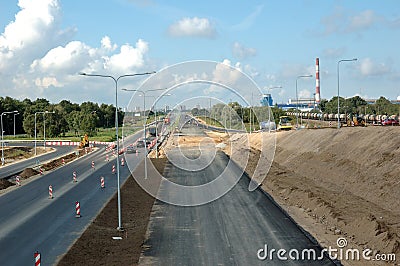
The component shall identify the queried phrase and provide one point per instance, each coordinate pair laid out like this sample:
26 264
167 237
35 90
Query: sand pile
346 182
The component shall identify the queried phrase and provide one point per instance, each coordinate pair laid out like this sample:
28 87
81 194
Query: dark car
390 122
130 149
140 144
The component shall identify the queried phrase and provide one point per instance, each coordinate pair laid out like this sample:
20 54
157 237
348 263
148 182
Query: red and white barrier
122 162
113 168
102 183
107 158
93 165
74 177
41 171
137 153
18 180
63 161
77 209
37 258
50 192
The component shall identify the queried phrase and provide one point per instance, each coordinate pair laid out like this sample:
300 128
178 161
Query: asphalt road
30 221
228 231
12 169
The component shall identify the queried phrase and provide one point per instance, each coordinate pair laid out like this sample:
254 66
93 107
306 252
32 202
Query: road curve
15 168
228 231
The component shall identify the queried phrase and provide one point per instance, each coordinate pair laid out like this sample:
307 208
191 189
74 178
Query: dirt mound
346 181
5 184
28 172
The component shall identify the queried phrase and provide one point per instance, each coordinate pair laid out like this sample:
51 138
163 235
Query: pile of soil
96 246
337 183
28 172
5 184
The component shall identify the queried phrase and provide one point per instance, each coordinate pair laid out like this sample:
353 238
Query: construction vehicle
355 120
285 123
84 142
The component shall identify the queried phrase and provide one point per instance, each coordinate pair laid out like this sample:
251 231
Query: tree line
234 114
79 119
357 105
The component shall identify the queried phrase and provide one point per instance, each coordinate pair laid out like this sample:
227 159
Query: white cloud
340 21
129 57
248 21
363 20
106 44
241 52
47 82
38 58
192 27
226 73
370 68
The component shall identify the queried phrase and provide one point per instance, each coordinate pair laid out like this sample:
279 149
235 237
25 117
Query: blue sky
45 43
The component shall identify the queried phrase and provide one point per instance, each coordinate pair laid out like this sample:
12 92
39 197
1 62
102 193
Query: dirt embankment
337 183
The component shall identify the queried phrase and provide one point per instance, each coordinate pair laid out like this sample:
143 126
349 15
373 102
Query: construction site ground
334 183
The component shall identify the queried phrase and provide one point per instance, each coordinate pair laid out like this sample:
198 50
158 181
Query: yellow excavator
84 142
355 120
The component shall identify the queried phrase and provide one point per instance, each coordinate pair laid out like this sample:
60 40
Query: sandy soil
336 183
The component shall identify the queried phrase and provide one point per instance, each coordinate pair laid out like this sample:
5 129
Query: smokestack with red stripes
317 92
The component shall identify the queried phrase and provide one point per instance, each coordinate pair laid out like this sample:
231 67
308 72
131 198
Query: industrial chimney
317 92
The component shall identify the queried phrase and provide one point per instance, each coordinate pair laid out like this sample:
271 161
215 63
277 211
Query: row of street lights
44 127
2 133
16 113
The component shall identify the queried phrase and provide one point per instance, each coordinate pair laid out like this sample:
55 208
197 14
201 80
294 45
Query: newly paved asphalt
228 231
30 221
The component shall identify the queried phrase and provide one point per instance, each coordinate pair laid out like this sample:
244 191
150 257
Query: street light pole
44 127
338 99
14 122
120 228
2 135
297 98
269 107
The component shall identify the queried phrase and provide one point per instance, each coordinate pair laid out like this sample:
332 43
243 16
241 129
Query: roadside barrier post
113 168
122 162
102 183
107 158
74 177
63 161
93 165
36 255
77 209
50 192
18 180
41 171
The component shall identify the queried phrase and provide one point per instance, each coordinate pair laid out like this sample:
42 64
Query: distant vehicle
390 122
267 125
130 149
285 123
140 143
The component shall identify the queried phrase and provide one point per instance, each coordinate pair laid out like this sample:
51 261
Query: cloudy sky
45 44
